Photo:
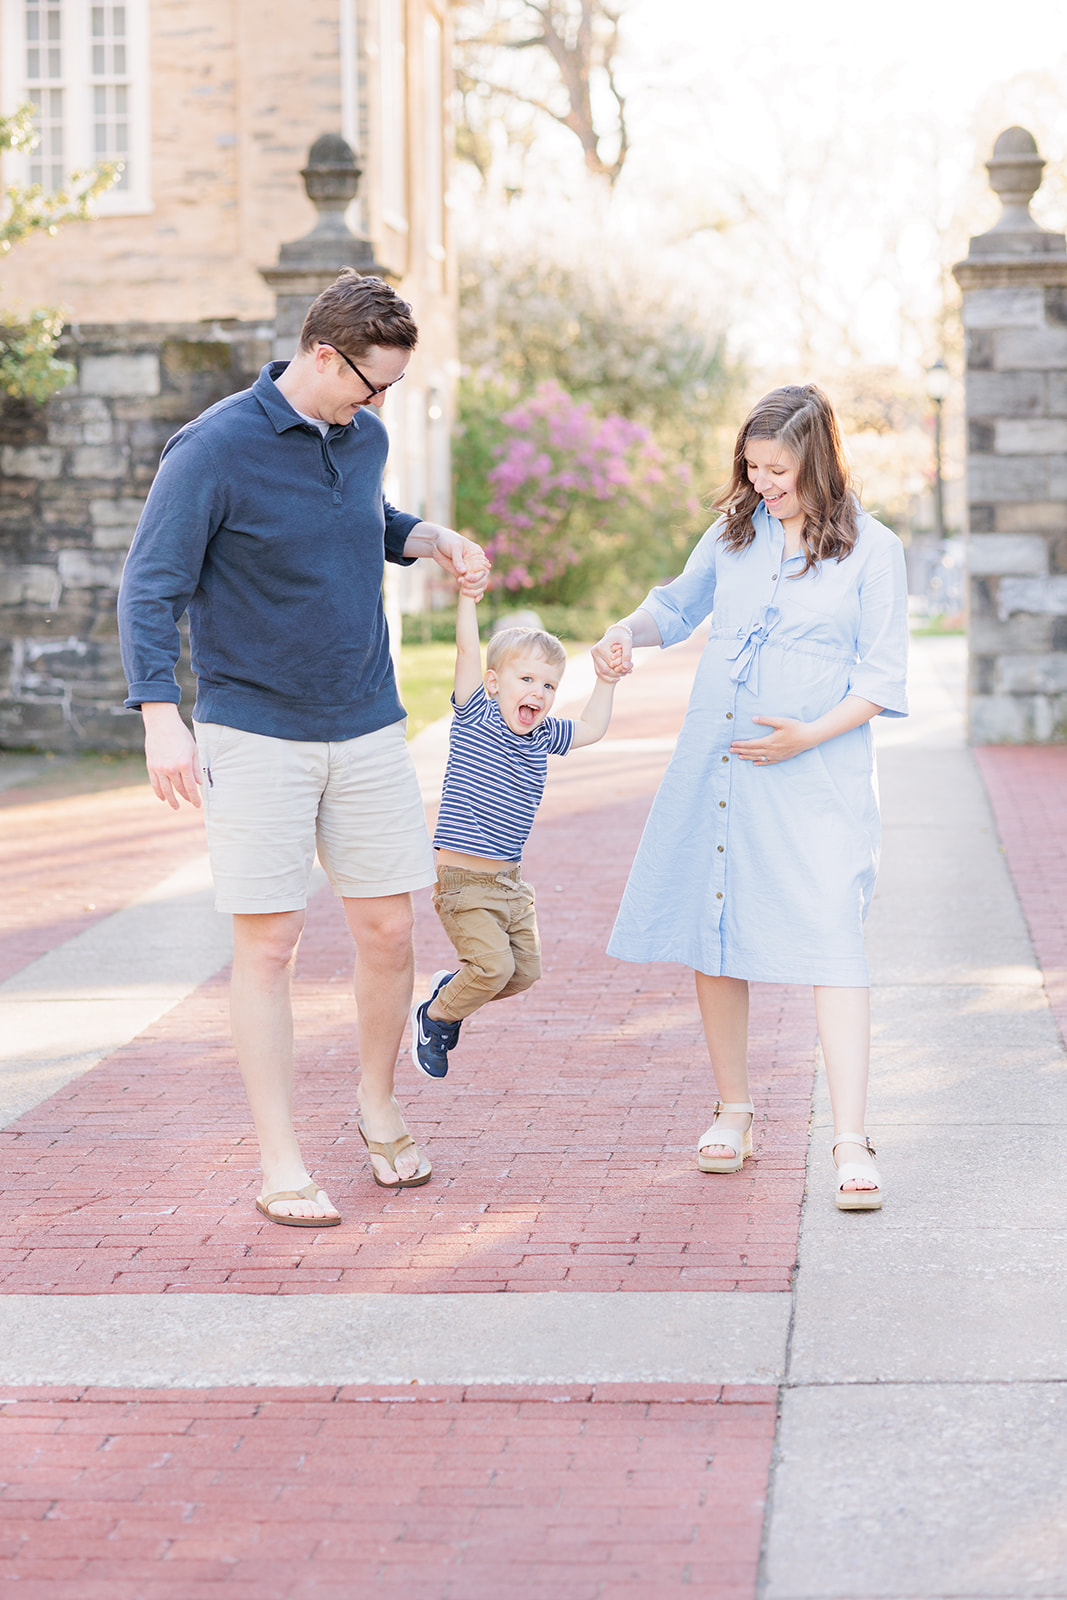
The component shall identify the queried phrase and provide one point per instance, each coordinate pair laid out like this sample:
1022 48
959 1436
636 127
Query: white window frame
77 83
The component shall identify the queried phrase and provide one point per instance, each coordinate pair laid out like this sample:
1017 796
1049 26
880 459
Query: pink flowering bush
569 491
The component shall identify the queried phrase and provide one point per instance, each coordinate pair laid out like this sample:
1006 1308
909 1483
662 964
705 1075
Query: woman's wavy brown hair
800 418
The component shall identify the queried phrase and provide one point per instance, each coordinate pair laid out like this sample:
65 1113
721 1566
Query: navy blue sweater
273 538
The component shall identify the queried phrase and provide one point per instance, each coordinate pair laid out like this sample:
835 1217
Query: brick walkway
569 1494
1028 792
562 1141
69 861
562 1144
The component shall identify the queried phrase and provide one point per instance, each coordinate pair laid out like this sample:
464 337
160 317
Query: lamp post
938 381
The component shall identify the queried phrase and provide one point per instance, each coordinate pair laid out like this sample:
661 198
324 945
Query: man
267 522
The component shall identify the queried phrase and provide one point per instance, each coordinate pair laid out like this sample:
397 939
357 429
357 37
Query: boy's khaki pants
490 918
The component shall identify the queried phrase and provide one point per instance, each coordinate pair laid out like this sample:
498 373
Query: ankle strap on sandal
734 1105
853 1138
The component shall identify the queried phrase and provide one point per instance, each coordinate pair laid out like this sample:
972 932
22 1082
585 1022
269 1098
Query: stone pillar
307 266
1014 283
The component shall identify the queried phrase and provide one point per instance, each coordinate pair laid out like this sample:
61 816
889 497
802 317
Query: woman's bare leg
723 1006
844 1021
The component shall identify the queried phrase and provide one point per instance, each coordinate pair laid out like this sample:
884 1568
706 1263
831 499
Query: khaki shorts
268 803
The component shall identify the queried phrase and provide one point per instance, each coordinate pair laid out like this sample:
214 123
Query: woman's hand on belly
787 738
790 737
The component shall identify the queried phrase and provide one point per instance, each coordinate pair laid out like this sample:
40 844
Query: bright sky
808 170
823 161
951 50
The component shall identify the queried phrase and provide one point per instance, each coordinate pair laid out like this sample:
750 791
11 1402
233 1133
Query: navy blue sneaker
432 1040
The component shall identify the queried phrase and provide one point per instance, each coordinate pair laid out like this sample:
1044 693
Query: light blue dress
766 872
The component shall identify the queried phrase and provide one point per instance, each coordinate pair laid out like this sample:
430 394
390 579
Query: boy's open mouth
528 714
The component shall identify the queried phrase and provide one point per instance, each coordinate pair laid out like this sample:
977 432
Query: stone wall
1014 284
73 479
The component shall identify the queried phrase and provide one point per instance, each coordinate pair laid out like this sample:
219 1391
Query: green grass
426 672
941 626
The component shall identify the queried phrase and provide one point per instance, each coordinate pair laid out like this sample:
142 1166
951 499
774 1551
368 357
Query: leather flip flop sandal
389 1152
310 1191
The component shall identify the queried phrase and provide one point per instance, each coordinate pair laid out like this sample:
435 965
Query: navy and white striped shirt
494 779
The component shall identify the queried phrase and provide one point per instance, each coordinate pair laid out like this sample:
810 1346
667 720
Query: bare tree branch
580 39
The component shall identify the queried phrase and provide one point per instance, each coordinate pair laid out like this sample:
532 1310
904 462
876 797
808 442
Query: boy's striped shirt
494 779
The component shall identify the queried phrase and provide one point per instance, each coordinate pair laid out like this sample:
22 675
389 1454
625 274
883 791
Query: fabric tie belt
746 657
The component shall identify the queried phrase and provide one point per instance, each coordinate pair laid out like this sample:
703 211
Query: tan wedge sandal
856 1199
739 1143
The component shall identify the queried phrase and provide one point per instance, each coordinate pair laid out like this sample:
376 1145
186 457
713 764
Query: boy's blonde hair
511 642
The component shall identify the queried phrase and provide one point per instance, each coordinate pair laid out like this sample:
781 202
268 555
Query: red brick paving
70 861
617 1493
563 1139
1027 788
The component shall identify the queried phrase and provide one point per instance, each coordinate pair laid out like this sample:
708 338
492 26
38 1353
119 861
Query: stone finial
308 265
331 179
1015 169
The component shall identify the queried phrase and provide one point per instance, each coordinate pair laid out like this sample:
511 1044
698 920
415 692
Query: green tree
29 366
625 346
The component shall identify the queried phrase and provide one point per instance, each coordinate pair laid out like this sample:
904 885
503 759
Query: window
44 86
85 68
110 88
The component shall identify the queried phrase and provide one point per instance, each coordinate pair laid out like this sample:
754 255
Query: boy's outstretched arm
468 649
593 722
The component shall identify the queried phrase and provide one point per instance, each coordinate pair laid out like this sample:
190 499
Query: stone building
170 296
1014 283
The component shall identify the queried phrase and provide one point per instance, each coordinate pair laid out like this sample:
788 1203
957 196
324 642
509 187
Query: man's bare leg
385 971
261 1017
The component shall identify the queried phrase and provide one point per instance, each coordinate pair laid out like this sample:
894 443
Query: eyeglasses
373 390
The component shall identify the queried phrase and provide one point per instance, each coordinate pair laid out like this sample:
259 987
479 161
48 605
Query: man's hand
170 754
459 556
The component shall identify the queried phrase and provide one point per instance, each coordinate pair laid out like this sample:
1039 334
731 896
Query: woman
759 856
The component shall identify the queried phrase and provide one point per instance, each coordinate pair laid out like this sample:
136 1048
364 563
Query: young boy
501 738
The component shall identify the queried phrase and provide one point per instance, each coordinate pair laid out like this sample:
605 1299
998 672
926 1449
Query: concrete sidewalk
922 1448
556 1369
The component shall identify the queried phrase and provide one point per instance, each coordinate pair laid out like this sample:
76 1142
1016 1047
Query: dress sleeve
880 672
679 607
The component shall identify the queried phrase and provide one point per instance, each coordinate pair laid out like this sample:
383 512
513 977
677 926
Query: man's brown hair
355 313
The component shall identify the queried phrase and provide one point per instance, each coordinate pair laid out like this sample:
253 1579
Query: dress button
774 574
720 849
726 758
729 716
722 805
719 895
